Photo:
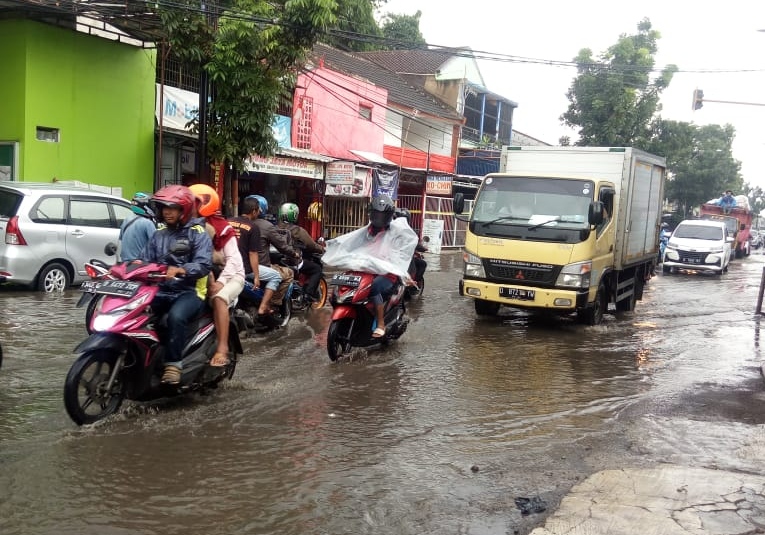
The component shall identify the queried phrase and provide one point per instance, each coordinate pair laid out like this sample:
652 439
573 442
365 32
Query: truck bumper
563 301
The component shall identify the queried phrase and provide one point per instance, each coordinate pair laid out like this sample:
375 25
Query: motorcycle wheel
322 291
85 396
336 347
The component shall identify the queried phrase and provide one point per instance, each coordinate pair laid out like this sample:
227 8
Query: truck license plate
517 293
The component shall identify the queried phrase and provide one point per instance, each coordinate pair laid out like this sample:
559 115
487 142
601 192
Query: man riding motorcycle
288 216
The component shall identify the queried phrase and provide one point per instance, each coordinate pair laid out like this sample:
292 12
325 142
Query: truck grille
520 272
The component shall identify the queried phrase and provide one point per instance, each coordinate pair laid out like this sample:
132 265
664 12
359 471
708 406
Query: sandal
378 333
219 360
172 375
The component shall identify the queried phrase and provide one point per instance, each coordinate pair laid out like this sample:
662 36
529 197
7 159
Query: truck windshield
539 207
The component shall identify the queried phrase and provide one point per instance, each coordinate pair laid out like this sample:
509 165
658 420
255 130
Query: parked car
49 231
698 244
756 239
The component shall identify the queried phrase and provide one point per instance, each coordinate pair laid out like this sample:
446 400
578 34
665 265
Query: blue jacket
135 233
727 202
197 263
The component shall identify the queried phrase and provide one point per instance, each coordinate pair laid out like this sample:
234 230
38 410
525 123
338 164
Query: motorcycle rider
226 283
418 265
271 235
248 236
184 298
288 217
136 231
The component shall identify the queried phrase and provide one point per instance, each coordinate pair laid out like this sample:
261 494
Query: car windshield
699 232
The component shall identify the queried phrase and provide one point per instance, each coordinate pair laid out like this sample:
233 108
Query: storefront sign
340 173
438 185
282 165
359 186
178 107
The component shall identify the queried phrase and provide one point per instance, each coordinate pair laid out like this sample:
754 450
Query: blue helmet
262 202
140 205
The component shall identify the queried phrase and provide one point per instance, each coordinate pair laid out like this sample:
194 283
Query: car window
89 213
121 212
699 232
49 210
9 203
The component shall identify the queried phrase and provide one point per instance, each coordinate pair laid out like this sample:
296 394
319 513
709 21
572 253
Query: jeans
270 276
380 285
313 271
181 309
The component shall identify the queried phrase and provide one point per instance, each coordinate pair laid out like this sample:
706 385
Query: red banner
219 175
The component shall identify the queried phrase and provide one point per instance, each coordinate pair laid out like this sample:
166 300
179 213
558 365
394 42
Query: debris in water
531 505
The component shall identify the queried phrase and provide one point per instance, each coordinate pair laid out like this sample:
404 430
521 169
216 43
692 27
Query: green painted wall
12 85
98 93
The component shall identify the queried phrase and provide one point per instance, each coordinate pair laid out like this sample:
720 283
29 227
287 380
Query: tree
403 31
700 161
250 51
613 99
356 28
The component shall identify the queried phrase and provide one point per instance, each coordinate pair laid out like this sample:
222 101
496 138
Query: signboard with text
283 165
438 185
340 173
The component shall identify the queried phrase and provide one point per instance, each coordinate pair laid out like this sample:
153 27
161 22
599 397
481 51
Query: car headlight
575 275
716 250
473 265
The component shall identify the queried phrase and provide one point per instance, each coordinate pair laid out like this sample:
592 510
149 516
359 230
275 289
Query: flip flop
219 360
378 333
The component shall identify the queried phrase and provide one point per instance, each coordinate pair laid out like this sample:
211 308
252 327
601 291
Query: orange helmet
209 202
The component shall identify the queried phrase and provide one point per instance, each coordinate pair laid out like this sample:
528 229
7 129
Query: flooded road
439 433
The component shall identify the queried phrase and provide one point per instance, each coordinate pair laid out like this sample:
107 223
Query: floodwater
438 433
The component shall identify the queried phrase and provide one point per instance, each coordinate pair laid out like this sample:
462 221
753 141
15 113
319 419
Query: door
91 226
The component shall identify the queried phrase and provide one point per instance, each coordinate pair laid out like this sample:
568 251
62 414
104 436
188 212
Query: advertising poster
434 230
356 185
385 183
438 185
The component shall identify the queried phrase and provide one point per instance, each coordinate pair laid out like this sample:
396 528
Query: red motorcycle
123 357
353 314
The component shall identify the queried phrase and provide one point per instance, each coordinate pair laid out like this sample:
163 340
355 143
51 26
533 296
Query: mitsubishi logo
519 275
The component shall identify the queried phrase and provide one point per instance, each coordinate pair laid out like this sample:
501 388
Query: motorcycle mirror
110 249
459 203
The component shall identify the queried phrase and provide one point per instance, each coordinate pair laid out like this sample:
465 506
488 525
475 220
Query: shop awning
371 157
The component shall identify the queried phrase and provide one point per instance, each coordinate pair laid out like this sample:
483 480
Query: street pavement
667 500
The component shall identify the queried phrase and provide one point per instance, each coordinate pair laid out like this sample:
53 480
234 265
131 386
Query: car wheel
53 278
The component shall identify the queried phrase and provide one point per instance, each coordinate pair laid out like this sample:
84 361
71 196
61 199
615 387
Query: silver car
49 231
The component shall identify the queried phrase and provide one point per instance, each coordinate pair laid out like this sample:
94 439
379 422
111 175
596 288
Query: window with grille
303 116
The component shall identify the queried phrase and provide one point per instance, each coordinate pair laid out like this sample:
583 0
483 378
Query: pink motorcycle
123 357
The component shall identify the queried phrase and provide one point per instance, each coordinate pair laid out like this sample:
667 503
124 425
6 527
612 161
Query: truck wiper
556 219
498 219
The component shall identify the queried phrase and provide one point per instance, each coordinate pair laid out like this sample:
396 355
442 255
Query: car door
91 225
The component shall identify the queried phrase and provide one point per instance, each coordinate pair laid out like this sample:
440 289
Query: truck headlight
575 275
473 265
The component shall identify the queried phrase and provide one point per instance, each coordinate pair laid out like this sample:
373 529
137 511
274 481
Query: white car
700 245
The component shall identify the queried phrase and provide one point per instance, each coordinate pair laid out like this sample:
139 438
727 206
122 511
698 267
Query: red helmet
177 196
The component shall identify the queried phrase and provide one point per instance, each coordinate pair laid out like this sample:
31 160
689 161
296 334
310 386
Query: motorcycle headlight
473 265
575 275
103 321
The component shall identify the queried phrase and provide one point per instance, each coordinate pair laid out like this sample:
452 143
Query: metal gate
344 214
441 208
413 203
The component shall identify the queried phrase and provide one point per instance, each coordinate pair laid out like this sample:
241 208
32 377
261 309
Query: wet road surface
439 433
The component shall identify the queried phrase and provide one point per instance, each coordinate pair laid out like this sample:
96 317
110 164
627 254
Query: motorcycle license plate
517 293
118 288
345 280
89 286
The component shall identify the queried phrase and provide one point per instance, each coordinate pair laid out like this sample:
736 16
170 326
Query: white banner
178 107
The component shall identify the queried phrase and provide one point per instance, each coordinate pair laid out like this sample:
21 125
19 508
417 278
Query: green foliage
403 31
356 28
250 50
700 161
613 99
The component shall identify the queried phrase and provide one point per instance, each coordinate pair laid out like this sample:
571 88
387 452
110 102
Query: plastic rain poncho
389 251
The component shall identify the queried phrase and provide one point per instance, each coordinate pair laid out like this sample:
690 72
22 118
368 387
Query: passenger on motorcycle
225 283
182 299
136 231
248 236
288 217
271 235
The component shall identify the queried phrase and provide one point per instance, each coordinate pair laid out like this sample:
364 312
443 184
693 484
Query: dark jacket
301 239
270 234
197 262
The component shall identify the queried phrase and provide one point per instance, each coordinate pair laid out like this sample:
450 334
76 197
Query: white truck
564 230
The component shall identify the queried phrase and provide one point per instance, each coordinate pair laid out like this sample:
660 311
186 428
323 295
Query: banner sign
359 187
281 128
340 173
179 107
385 183
219 175
438 185
283 165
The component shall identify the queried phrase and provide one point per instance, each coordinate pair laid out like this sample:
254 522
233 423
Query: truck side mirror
743 226
595 213
459 203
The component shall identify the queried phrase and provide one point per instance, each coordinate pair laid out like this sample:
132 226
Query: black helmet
381 211
406 214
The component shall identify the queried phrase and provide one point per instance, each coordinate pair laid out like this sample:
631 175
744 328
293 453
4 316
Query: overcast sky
696 36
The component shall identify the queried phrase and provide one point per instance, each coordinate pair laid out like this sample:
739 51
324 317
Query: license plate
346 280
118 288
89 286
517 293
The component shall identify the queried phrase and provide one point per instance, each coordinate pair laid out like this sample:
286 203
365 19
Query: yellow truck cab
564 230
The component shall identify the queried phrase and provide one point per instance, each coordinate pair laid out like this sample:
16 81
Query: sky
714 44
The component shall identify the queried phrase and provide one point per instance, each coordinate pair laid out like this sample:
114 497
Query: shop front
290 176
